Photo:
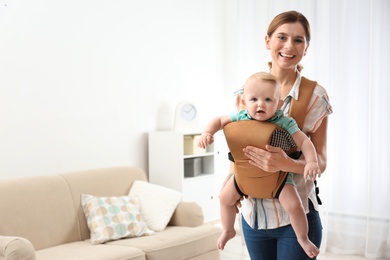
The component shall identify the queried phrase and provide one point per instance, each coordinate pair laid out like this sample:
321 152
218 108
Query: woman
266 227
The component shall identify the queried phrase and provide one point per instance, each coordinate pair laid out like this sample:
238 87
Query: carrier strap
298 108
298 111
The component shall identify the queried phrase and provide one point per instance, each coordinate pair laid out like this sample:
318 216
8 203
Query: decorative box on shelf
192 167
191 145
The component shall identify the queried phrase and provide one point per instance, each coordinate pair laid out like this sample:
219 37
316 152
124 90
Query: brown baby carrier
250 179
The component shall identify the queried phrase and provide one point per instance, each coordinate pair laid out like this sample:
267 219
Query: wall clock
186 118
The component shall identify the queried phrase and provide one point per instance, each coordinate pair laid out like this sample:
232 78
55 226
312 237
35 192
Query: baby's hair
265 76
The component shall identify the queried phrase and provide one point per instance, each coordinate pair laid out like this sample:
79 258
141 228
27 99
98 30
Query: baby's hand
311 171
205 140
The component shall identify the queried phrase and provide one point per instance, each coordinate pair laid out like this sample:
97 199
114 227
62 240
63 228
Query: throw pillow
157 203
112 218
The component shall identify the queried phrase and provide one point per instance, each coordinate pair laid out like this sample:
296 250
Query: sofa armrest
16 248
188 214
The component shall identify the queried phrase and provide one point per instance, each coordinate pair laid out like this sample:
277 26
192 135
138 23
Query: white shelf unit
166 168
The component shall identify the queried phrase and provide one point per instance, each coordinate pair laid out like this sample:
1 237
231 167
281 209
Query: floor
235 250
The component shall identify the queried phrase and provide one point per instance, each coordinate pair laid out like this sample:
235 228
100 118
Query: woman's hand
272 159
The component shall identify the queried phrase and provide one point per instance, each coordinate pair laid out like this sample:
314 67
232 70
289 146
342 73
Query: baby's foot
225 236
310 249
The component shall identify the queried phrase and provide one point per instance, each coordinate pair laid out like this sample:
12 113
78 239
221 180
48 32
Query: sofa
43 218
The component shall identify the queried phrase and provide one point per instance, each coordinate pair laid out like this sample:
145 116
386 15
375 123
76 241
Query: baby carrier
250 179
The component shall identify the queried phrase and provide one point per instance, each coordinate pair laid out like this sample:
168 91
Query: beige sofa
42 218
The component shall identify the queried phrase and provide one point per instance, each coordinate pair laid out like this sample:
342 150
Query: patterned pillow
112 218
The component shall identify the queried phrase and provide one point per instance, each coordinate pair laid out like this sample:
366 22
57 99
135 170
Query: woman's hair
289 17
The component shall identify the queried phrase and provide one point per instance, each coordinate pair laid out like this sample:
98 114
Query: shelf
200 176
192 174
188 156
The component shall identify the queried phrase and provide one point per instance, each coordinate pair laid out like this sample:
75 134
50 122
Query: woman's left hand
272 159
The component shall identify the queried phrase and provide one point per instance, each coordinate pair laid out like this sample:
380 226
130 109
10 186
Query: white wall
83 82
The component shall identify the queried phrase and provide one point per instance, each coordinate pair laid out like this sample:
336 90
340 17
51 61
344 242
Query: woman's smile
285 55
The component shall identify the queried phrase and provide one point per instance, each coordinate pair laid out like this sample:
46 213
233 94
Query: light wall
83 82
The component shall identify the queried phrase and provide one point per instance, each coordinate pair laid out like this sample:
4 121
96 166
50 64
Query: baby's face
261 99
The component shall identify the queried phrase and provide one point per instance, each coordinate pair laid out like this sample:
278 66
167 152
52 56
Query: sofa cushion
111 218
33 207
188 214
114 181
157 203
83 250
176 243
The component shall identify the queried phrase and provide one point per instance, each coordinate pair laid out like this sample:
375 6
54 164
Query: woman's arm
319 139
275 159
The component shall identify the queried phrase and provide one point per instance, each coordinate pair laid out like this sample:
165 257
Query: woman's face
287 45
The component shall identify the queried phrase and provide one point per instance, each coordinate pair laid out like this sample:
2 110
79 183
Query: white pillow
157 203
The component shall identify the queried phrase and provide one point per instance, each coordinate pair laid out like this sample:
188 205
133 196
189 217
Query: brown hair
289 17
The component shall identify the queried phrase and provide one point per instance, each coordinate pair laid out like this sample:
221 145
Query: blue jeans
281 243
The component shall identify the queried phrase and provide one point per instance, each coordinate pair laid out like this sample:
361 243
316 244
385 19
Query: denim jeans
281 243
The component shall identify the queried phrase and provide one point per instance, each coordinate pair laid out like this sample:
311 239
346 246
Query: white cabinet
198 176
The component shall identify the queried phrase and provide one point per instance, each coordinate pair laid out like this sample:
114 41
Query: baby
262 100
